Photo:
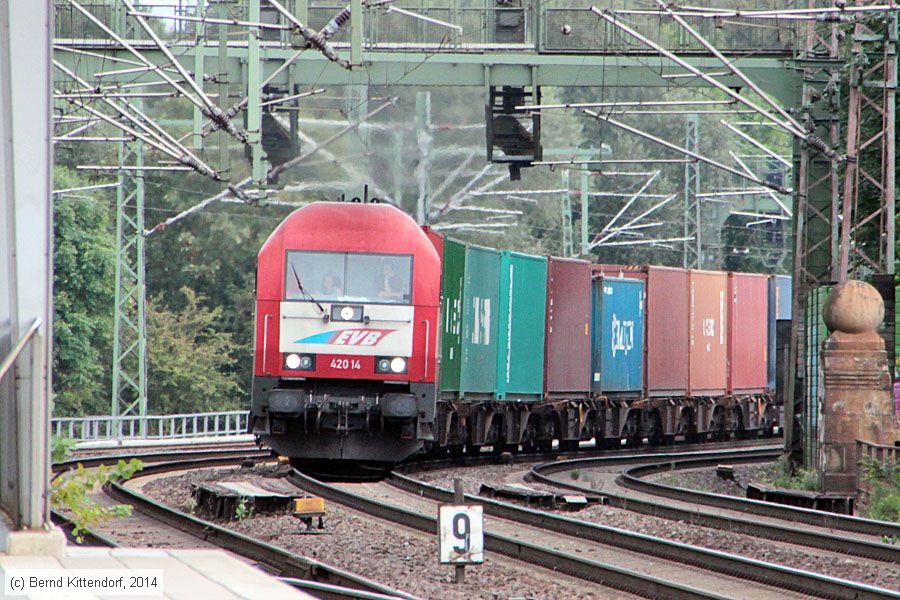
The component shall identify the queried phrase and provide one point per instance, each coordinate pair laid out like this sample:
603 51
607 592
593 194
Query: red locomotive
346 325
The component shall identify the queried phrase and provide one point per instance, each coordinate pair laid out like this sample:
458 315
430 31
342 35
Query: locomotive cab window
348 277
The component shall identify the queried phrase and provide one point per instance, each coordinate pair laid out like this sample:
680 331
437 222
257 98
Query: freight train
377 339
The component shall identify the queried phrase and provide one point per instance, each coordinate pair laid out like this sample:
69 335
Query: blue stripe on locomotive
617 335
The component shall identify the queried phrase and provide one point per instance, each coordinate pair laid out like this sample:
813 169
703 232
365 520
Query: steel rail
786 532
632 478
714 560
281 562
582 568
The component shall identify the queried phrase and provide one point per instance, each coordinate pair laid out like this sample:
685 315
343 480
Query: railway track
676 570
317 578
815 529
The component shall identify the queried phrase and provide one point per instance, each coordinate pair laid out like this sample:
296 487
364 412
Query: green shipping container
452 278
481 293
523 304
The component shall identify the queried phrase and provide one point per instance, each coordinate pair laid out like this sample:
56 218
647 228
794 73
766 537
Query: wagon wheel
631 432
655 429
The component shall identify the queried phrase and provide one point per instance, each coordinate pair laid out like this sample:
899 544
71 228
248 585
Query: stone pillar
858 398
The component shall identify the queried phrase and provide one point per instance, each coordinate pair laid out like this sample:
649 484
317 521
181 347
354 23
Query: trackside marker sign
348 337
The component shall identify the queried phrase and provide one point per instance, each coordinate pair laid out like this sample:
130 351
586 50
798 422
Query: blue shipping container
783 298
617 323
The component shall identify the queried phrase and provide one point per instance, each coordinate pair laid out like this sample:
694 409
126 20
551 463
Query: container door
708 351
481 294
667 319
523 301
748 317
621 338
452 277
568 328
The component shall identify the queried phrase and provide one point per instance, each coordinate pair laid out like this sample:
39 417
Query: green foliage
784 475
83 290
883 481
575 474
243 510
190 358
60 448
71 491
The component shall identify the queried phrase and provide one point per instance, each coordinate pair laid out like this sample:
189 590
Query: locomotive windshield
349 277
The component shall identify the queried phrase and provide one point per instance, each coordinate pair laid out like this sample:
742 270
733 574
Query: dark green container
481 293
452 278
523 304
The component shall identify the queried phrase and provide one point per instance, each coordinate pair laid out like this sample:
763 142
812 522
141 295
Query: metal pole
254 111
198 75
424 142
459 498
567 232
585 182
129 369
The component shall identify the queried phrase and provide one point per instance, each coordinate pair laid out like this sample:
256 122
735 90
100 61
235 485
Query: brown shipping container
666 318
708 373
748 319
567 355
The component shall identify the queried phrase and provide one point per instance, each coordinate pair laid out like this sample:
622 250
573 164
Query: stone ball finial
854 307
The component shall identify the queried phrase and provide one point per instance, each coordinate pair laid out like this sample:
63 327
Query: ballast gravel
393 555
853 568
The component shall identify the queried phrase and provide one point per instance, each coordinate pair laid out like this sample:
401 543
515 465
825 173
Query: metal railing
458 26
866 452
214 424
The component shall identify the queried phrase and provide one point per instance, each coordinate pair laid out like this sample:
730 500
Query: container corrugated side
452 278
481 300
668 342
771 329
748 329
708 356
567 346
618 336
520 335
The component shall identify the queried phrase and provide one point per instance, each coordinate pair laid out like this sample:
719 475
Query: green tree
83 284
190 359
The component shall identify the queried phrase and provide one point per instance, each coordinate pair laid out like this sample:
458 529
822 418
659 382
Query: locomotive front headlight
383 365
398 365
293 361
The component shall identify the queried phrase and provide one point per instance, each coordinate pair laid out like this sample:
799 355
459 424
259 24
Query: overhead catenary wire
685 151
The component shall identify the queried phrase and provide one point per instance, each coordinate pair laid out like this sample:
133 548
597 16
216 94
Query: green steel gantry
522 45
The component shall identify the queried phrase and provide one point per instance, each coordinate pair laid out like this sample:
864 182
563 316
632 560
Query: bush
71 491
883 481
783 475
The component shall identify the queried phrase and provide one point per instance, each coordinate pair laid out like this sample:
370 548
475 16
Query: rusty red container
708 330
748 312
666 319
567 350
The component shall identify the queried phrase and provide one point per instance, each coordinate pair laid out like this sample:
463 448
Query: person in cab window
331 287
390 287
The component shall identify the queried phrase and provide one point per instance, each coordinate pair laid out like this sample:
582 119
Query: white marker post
460 533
